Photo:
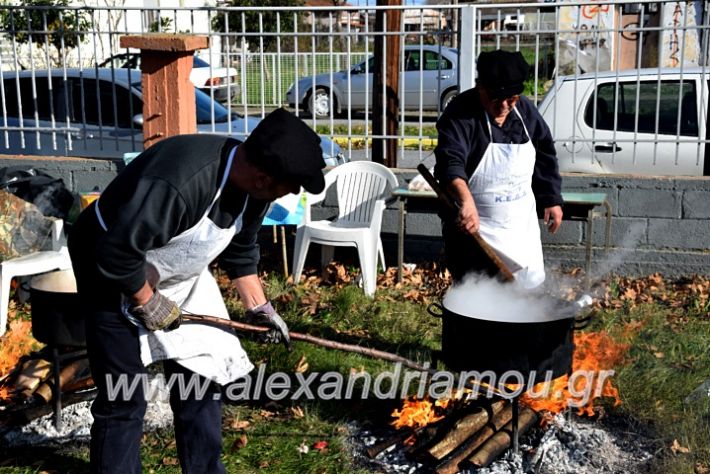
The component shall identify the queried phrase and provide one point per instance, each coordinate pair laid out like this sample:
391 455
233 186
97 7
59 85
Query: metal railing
307 59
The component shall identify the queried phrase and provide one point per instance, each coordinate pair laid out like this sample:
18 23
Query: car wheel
318 103
448 97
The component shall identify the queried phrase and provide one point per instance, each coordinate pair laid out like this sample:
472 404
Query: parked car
97 113
431 84
645 121
221 82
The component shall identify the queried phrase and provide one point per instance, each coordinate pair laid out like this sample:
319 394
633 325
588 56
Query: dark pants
462 255
114 353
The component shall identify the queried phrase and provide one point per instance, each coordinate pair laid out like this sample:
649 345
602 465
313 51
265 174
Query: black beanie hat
502 73
284 147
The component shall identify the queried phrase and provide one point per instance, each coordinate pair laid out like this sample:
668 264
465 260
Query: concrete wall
659 224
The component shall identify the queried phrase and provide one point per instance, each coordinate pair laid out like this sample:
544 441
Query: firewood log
501 441
68 373
31 375
450 464
464 428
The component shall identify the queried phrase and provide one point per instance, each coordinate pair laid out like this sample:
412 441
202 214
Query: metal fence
626 84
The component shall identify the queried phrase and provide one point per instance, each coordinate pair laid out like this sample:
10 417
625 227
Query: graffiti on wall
679 41
586 38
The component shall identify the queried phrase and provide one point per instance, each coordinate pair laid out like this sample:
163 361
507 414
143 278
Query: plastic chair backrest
360 184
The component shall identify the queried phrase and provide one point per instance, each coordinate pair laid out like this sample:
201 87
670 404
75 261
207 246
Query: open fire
448 433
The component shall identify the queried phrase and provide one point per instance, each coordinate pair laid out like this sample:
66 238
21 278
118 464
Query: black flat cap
502 73
285 148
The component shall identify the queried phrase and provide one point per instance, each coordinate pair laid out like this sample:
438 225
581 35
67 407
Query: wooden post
385 119
168 94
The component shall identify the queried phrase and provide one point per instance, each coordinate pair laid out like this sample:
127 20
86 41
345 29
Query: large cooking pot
470 343
56 318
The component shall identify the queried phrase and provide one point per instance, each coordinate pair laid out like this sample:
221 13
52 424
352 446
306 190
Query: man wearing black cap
141 254
496 156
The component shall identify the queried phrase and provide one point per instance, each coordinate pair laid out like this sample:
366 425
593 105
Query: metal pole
514 423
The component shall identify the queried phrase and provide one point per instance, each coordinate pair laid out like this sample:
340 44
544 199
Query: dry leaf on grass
677 448
238 424
320 445
297 412
301 365
170 461
240 442
303 448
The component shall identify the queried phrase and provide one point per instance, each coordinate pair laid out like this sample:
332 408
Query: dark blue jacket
463 139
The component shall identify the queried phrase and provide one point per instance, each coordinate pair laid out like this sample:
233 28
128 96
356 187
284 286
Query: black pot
56 318
475 344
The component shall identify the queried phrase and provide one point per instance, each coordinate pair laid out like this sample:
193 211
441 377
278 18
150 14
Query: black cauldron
56 318
470 344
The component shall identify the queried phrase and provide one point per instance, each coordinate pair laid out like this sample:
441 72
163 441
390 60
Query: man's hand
553 218
467 219
266 315
159 312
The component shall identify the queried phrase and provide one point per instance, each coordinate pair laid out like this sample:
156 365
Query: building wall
659 224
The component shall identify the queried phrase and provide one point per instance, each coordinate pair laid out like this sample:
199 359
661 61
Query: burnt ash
567 445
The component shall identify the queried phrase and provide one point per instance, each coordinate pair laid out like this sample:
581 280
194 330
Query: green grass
668 359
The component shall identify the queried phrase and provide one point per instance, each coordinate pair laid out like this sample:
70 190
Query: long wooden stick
450 203
297 336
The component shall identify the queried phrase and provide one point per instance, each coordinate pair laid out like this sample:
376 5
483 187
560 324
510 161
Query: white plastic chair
57 258
362 187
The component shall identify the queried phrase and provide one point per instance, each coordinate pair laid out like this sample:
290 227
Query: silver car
429 84
97 113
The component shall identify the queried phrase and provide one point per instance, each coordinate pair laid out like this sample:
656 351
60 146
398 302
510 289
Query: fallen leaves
170 461
677 448
301 365
320 445
685 293
303 448
240 442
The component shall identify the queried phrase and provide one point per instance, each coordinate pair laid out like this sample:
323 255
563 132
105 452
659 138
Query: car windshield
204 105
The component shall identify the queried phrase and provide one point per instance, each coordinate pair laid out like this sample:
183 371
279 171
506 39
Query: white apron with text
184 277
502 191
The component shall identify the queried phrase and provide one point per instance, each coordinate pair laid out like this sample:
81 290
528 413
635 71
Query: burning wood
502 439
463 429
32 373
595 354
69 374
450 464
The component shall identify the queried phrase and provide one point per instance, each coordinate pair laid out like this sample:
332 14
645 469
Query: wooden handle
453 205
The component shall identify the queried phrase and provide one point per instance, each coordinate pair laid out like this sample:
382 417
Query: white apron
184 277
502 191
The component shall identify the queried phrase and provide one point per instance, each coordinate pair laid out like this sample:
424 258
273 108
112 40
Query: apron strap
227 168
515 109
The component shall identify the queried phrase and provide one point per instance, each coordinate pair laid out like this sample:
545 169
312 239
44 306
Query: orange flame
15 343
594 353
416 413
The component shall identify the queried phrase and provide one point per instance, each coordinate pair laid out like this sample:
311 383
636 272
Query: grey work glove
159 312
266 315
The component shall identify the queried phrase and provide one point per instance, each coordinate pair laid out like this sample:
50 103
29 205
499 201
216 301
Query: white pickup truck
641 121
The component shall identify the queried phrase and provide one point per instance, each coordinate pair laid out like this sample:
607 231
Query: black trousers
114 356
462 255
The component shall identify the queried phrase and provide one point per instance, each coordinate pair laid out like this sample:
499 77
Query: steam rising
481 297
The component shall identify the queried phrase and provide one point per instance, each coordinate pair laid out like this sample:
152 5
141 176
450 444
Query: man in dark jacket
141 254
496 156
